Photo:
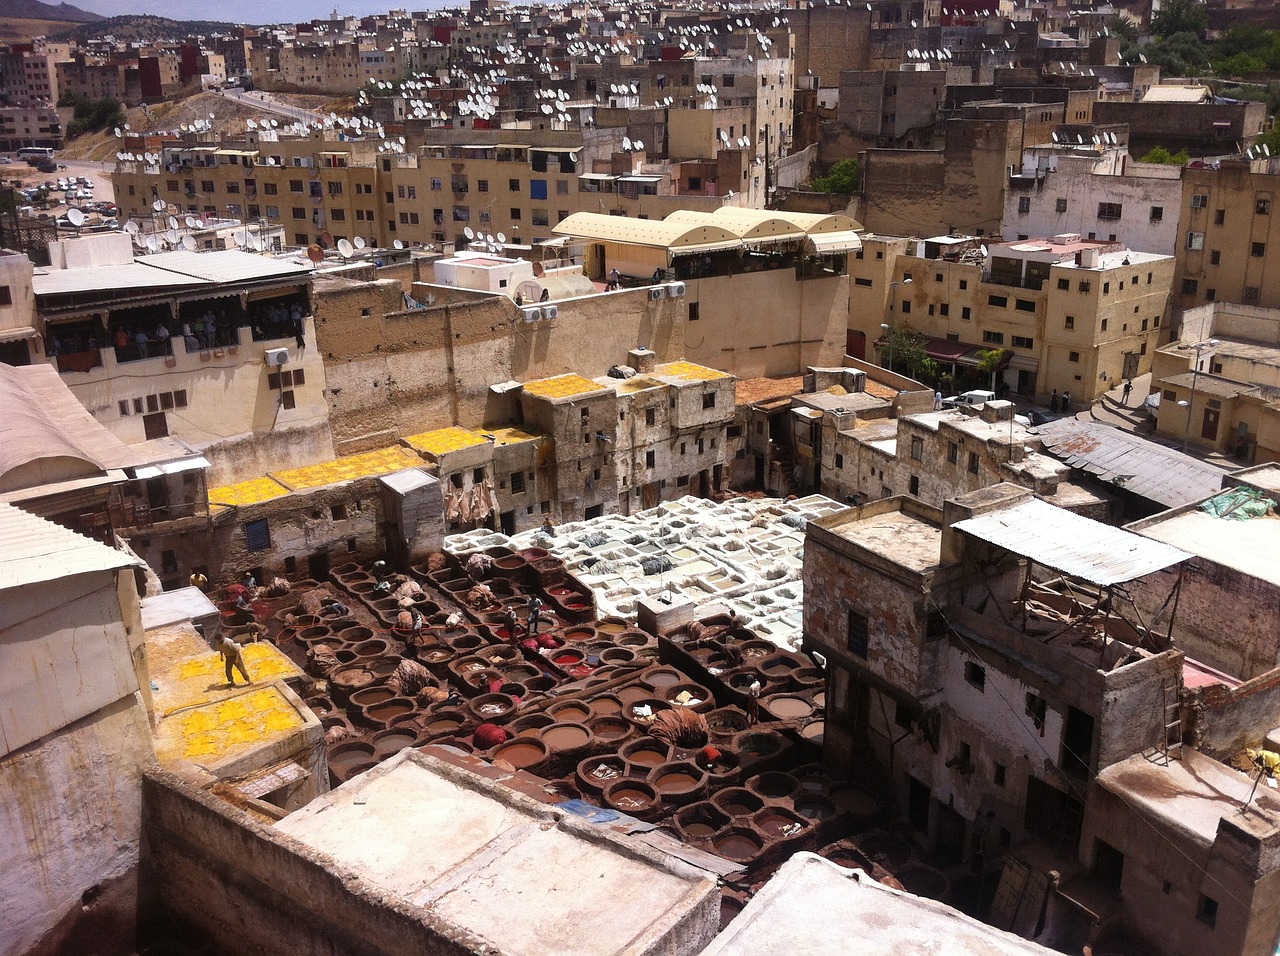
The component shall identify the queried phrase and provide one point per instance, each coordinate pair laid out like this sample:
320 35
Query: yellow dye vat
219 729
444 440
371 463
251 492
561 386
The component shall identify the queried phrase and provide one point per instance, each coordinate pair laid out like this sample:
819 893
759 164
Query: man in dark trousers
535 612
1128 387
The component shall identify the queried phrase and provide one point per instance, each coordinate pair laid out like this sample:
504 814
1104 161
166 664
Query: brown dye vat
313 633
631 638
346 757
338 625
820 699
617 655
520 672
530 724
383 713
371 648
541 683
774 785
606 705
522 752
887 849
705 701
437 655
724 765
789 708
779 822
493 708
534 554
467 642
752 650
577 635
632 694
392 741
610 727
354 635
344 656
737 801
633 797
804 678
646 752
596 773
730 907
814 807
700 820
445 722
371 695
509 565
737 843
320 706
814 730
499 653
346 680
679 781
662 677
757 743
570 711
561 737
778 665
384 667
725 723
362 588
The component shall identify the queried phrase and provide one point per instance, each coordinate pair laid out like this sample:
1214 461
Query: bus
30 153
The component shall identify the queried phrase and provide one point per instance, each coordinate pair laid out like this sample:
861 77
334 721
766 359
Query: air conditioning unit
676 289
277 356
550 311
531 313
656 292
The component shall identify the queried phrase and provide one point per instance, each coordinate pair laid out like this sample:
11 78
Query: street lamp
888 326
1198 347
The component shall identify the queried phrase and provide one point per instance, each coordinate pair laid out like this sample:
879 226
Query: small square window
1061 204
1073 356
859 634
1258 249
1036 710
709 400
1262 207
997 775
1064 284
1189 286
338 512
917 449
257 535
1207 911
976 675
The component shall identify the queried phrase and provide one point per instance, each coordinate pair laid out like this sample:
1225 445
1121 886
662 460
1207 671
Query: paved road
264 101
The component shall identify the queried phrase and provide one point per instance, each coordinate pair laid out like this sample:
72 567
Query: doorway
1209 427
950 838
1108 864
318 566
917 804
508 523
1130 365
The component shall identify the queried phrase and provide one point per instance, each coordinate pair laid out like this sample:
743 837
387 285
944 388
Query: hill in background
138 27
35 10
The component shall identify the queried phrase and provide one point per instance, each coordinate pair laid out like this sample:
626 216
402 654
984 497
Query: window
482 185
1215 257
1064 284
1110 210
257 535
513 185
964 283
1000 301
1251 295
299 212
859 636
338 512
953 452
1189 286
649 459
1024 204
1262 207
992 338
1220 217
1024 305
1036 710
976 675
206 186
966 312
650 416
295 185
1061 204
1073 356
709 400
1106 288
906 307
517 482
1195 240
1207 911
944 309
1084 285
997 775
515 214
1258 249
973 462
1157 213
865 283
839 460
1022 342
913 485
1210 294
1070 322
917 449
436 186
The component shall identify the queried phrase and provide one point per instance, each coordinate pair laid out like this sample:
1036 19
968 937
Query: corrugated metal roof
34 550
1075 545
1163 475
226 265
132 275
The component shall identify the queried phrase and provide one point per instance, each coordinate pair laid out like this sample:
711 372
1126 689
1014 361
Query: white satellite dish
626 143
359 242
158 205
251 123
189 243
469 233
131 227
235 239
398 244
172 237
638 144
502 238
345 249
119 132
547 109
191 222
173 222
151 243
258 244
75 217
984 249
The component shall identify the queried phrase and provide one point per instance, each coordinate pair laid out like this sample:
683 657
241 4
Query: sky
252 11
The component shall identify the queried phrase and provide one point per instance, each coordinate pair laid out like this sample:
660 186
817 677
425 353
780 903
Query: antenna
345 249
189 243
398 244
158 205
75 217
358 242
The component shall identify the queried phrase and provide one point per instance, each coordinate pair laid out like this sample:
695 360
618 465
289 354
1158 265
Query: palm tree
989 362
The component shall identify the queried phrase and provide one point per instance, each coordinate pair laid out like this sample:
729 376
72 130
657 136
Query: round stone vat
738 843
737 801
636 798
596 773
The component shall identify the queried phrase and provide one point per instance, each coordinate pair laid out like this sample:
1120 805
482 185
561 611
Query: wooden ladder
1171 718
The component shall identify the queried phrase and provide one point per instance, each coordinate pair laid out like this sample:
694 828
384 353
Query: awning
14 335
1024 363
961 353
826 243
598 176
171 467
640 179
1070 543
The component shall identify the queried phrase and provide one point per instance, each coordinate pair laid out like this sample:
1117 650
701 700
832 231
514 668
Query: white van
975 396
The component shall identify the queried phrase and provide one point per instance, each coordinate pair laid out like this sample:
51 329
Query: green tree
1166 158
989 362
1122 26
92 115
1180 16
902 351
843 178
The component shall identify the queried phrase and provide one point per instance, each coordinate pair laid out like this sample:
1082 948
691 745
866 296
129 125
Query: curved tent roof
677 237
811 223
762 227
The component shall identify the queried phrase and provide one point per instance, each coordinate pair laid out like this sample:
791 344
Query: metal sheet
1075 545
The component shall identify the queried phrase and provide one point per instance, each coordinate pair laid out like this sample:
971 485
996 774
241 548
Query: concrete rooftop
897 536
817 908
484 863
1249 546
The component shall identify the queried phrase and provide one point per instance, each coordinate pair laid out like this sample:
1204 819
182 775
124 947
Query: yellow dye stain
252 492
441 441
690 371
561 386
224 727
509 435
369 464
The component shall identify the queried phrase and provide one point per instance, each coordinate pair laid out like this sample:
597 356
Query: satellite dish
119 132
173 222
258 244
315 253
151 243
626 143
131 227
398 244
984 249
172 237
190 222
638 144
469 233
75 217
345 249
251 123
502 238
189 243
359 242
235 239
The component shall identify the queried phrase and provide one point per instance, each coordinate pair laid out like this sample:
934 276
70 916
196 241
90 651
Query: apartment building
29 126
1227 225
1071 315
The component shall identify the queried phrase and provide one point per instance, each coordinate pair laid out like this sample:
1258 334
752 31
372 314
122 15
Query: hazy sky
251 11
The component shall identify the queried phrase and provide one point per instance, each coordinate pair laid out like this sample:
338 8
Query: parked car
1041 416
975 396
